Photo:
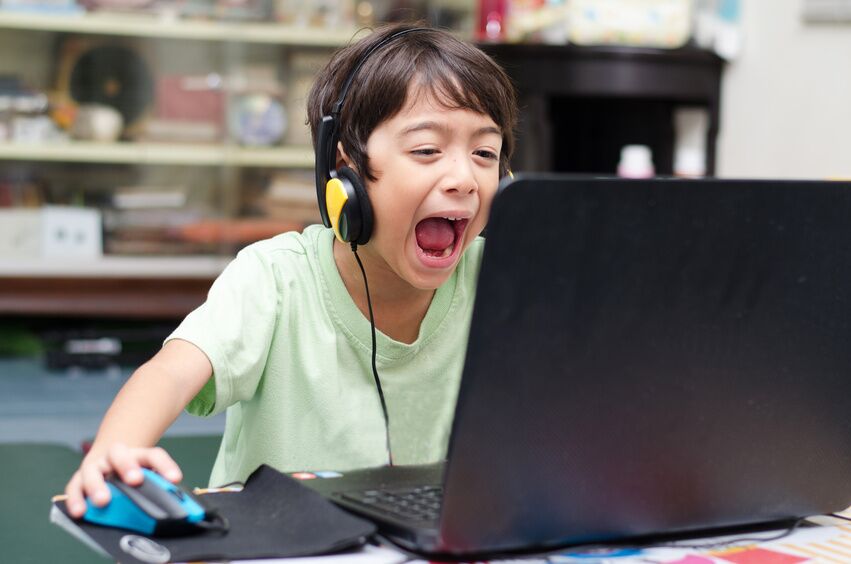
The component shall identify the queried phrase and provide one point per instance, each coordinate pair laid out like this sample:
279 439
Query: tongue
435 234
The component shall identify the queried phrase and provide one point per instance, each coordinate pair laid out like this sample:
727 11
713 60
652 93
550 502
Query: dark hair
458 74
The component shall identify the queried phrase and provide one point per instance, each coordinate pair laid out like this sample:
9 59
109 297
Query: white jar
636 162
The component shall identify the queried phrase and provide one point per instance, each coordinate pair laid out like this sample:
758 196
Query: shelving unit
162 27
151 287
580 105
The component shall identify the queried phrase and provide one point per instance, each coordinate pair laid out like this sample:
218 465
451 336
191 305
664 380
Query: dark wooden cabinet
580 105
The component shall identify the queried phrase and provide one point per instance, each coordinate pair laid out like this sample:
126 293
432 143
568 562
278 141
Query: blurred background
144 142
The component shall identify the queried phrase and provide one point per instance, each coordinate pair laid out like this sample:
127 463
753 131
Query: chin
429 281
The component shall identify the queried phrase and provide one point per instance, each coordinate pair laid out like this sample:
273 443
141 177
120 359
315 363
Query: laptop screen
648 356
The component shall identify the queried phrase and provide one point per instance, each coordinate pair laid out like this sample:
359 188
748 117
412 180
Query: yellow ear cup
335 198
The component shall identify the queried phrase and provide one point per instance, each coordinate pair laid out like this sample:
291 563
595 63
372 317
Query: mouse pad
273 516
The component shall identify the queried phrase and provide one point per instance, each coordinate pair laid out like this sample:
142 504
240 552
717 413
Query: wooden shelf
160 154
203 267
113 286
139 25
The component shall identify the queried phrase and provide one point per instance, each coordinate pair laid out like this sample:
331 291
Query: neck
398 307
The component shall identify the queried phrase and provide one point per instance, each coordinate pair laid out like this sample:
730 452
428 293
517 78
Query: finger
125 462
158 459
75 502
94 486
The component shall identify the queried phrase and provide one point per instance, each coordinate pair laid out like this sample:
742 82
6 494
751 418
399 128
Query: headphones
341 193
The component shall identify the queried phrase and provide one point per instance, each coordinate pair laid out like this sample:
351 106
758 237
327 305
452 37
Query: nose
461 178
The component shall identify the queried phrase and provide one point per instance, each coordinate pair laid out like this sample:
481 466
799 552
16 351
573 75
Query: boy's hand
125 461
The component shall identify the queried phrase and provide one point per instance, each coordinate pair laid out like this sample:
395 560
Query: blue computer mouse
155 507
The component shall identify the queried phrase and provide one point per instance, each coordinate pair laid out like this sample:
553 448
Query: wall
786 102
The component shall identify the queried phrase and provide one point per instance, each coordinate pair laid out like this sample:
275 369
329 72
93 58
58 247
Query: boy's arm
147 404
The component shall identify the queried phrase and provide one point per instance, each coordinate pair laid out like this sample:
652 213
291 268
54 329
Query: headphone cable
374 353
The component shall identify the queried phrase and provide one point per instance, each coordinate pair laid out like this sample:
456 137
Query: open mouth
438 236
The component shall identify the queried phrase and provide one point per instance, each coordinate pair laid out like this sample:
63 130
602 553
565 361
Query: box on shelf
188 108
51 232
331 14
20 233
640 23
41 6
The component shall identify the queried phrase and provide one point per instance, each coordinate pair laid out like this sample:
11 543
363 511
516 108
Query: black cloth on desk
273 516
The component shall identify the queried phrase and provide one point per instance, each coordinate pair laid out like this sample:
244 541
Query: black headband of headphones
328 132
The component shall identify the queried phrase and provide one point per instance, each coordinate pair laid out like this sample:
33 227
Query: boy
284 340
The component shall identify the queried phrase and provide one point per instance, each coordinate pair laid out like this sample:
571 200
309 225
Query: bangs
449 90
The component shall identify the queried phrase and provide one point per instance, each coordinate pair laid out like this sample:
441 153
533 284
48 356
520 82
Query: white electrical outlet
69 232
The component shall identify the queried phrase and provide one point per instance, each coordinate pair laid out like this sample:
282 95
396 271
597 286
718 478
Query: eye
484 153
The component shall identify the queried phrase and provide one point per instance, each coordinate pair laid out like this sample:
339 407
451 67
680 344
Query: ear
342 158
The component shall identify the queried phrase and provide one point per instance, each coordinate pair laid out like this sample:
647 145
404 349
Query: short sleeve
234 328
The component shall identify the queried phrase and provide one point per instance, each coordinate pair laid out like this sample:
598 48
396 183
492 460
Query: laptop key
416 504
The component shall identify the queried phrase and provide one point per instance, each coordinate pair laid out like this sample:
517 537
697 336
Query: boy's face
437 172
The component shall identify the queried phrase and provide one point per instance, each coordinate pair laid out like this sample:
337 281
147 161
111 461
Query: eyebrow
433 125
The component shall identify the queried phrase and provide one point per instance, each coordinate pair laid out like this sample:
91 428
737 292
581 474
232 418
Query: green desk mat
30 474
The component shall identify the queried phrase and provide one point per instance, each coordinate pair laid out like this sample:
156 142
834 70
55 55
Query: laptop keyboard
410 504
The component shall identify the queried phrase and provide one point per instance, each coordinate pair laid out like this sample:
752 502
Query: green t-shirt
291 356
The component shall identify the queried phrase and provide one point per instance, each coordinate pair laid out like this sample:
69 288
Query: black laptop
645 357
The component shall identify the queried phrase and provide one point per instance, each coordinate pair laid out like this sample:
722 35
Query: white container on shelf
690 127
20 232
69 232
636 162
639 23
58 232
